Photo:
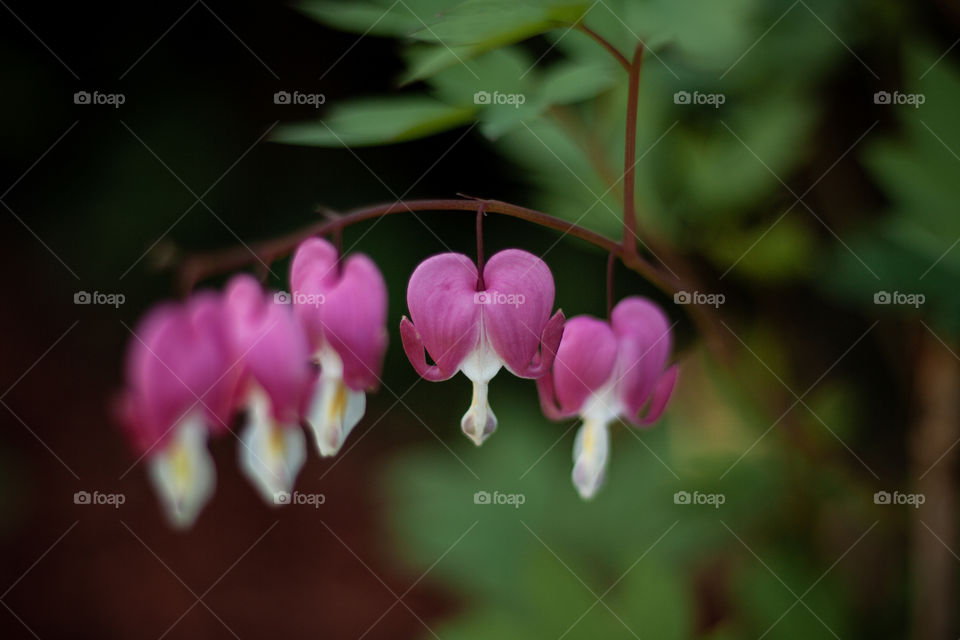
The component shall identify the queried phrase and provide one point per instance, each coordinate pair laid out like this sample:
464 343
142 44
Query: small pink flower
181 385
278 383
475 331
604 371
344 310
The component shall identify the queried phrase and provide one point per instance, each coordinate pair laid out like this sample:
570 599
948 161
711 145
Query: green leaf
376 121
361 17
478 26
431 60
379 18
487 24
567 82
503 70
506 85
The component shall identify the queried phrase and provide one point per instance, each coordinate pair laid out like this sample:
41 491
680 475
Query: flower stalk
480 213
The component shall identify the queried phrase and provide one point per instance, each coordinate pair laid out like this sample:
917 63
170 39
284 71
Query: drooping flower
478 329
604 371
181 386
344 310
278 382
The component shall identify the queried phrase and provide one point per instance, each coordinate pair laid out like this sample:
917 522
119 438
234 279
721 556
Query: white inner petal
591 449
480 366
479 421
271 454
183 473
335 408
590 452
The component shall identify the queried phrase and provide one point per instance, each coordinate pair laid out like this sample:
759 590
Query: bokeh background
799 199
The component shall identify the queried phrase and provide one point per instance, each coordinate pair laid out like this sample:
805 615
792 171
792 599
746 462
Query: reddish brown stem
480 212
630 155
338 243
197 268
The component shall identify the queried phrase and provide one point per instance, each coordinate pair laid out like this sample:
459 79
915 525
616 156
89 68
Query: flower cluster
191 367
283 361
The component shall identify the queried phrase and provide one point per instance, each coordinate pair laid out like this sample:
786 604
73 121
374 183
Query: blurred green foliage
913 249
537 569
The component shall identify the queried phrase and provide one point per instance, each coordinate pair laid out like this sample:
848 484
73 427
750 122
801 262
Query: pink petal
413 347
354 320
661 395
313 272
548 399
314 265
178 361
585 361
207 363
549 343
271 344
153 399
645 339
440 297
347 308
519 294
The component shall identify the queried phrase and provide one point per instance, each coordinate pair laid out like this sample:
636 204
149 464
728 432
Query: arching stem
338 244
199 267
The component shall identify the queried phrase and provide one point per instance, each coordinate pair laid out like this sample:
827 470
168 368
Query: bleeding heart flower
344 310
181 386
604 371
478 329
278 384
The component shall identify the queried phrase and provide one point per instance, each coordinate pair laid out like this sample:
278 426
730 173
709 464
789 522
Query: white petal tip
590 450
183 473
472 421
274 467
271 454
333 414
479 422
327 447
587 483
